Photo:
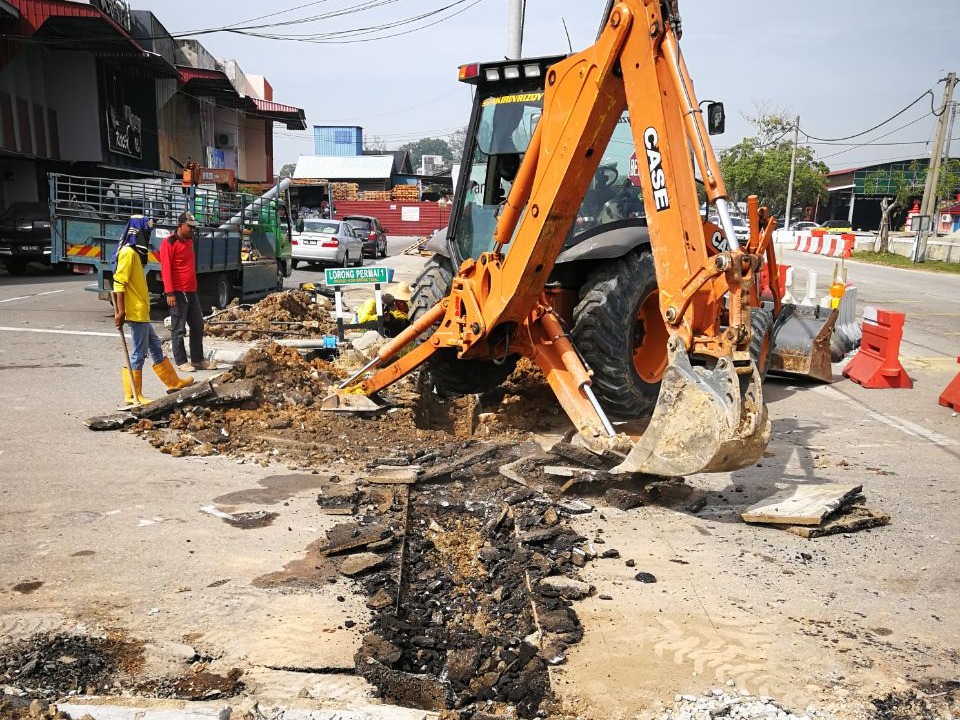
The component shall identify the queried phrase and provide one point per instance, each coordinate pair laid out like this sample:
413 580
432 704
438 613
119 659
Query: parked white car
741 229
327 242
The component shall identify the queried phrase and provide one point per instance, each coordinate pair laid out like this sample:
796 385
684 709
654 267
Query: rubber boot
168 376
129 399
138 386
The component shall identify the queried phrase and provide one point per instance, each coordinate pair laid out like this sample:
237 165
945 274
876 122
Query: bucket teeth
705 420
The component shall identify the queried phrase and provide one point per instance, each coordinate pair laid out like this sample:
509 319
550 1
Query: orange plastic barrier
849 241
950 397
766 292
877 364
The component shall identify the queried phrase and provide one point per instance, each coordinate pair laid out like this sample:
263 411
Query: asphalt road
114 532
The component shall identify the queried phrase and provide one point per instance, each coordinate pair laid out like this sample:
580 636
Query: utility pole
793 168
515 29
928 206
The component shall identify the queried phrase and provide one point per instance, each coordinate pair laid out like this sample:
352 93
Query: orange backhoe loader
634 311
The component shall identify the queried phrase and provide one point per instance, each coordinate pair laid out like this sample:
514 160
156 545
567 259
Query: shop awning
80 27
8 11
211 85
293 117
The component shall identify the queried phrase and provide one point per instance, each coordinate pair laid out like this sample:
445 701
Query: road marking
60 332
904 426
25 297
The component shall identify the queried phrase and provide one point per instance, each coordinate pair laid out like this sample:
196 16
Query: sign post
338 277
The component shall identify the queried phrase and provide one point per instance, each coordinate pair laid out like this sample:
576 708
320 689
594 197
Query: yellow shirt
368 312
130 280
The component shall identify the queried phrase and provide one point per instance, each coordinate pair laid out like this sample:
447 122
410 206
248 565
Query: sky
842 66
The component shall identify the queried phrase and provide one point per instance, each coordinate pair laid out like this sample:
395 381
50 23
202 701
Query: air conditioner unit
225 140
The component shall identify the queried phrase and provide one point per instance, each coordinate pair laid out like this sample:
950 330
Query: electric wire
878 125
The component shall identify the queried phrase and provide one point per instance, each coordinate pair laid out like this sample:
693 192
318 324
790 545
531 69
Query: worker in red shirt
178 268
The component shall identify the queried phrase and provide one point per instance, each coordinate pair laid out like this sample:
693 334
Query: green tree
287 170
760 165
428 146
897 187
456 141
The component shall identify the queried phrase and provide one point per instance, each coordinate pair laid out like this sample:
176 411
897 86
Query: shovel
126 355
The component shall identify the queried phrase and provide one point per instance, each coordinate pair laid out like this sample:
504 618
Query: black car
24 235
373 234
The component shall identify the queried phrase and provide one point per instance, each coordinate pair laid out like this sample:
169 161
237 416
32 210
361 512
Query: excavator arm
710 414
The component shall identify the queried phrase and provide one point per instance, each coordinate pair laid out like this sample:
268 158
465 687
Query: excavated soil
287 314
284 421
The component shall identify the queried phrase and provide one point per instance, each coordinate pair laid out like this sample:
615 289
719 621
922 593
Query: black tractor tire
761 338
446 373
619 312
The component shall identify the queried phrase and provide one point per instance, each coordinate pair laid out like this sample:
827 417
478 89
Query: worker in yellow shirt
396 310
132 306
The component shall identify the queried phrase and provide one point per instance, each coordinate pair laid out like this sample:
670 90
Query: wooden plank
802 504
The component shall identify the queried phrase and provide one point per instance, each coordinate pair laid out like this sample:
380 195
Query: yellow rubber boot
129 398
138 386
168 376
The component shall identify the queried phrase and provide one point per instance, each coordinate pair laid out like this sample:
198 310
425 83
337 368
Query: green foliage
760 165
429 146
456 141
287 170
900 261
899 185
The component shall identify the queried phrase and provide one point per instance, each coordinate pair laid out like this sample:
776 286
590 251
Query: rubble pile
282 418
735 706
292 313
45 667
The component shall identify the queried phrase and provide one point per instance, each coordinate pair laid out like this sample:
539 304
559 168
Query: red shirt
178 265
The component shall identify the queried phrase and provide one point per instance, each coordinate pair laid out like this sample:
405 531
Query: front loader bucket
801 342
705 420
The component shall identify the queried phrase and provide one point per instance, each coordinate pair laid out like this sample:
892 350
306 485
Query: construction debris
846 520
292 313
802 504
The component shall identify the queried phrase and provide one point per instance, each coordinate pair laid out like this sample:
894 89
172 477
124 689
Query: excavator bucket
801 342
350 402
704 421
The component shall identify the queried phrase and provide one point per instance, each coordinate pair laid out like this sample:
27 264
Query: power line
880 137
878 125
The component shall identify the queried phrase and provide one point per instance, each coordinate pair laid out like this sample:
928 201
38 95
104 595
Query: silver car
327 242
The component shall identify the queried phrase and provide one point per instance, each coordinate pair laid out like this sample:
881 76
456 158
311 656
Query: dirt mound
287 314
284 422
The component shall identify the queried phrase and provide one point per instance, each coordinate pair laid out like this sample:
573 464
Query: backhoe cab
576 241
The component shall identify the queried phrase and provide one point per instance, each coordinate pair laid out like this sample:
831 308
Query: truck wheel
219 292
618 328
449 375
294 264
280 276
761 333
